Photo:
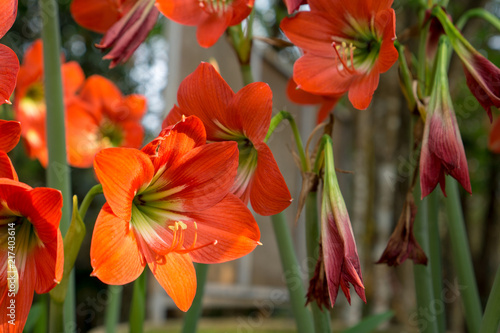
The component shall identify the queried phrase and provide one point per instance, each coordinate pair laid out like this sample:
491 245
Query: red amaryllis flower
10 131
340 255
169 205
402 244
105 119
31 248
442 148
29 104
299 96
347 45
243 117
494 139
212 17
9 65
124 23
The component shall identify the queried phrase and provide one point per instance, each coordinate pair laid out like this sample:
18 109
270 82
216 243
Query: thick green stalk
246 72
58 172
113 308
138 307
56 315
293 277
491 318
434 256
194 313
462 257
321 317
423 274
42 324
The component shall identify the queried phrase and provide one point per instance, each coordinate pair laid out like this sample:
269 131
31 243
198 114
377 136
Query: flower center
358 51
160 231
36 92
246 166
111 134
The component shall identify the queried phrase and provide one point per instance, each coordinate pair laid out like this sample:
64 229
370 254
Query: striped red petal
122 172
230 224
114 253
175 273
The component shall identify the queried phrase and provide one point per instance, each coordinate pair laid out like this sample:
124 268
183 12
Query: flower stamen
347 54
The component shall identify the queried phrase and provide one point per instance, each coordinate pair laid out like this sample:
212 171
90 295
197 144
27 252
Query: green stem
423 274
275 121
97 189
480 13
246 72
321 317
113 308
138 307
194 313
491 318
435 255
462 257
58 172
56 314
292 274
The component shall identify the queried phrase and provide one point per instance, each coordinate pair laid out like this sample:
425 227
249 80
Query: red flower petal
186 12
175 141
114 253
387 56
231 224
8 12
320 76
250 111
312 31
10 132
211 28
49 261
205 176
6 168
73 78
269 194
9 67
122 172
204 93
362 89
177 276
96 15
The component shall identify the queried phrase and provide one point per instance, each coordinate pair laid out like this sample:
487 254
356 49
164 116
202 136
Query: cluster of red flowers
97 114
183 197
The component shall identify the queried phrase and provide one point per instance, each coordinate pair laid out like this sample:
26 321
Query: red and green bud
340 255
442 148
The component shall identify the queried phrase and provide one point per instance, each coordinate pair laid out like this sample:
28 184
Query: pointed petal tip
259 243
7 102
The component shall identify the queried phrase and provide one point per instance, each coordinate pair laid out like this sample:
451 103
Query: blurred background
249 295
